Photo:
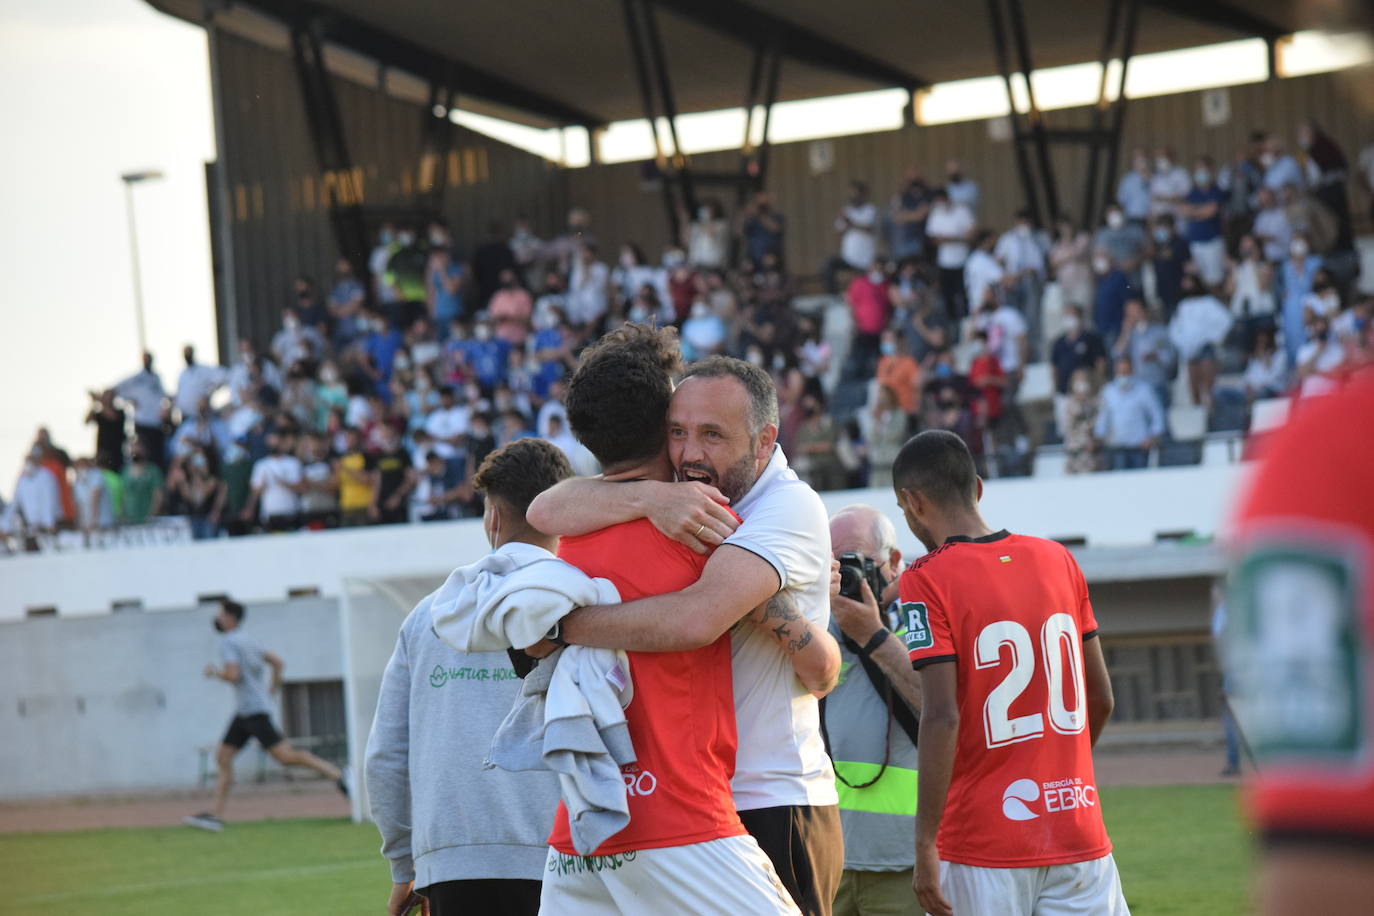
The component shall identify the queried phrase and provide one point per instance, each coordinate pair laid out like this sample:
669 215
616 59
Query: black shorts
806 846
257 726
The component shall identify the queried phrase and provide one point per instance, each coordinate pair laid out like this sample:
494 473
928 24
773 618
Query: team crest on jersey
918 635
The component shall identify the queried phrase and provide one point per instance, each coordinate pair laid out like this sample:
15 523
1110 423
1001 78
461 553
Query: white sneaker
205 821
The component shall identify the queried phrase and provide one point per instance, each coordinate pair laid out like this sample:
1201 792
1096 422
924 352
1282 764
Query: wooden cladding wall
279 198
1342 103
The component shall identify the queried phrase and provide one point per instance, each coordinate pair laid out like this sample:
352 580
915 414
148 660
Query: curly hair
618 399
519 471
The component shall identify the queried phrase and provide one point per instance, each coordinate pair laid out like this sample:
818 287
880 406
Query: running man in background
256 676
467 839
1298 649
1015 693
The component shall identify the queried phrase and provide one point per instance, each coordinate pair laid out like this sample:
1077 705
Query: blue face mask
1161 235
889 348
943 370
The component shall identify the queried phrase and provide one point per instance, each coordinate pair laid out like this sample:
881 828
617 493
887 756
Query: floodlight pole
130 179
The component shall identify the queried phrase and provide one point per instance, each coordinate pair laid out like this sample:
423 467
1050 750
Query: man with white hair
870 719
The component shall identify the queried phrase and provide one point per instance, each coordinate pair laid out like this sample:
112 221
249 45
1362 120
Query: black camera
854 569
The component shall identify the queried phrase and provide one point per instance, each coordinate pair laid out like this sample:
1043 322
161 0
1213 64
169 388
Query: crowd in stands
376 406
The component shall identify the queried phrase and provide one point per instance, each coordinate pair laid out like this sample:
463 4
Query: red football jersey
1299 636
1011 612
682 716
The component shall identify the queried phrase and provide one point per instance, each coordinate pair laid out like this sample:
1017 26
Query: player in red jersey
685 849
1015 694
1299 652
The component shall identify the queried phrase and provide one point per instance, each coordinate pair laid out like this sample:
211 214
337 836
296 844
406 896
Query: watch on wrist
555 634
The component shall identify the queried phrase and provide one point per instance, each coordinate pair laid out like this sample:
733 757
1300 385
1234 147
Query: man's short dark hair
763 394
937 464
618 399
232 608
519 471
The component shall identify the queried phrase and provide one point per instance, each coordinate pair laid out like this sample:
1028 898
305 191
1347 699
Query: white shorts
1091 888
728 876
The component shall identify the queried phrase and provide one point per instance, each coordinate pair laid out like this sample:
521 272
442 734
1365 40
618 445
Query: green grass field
1180 850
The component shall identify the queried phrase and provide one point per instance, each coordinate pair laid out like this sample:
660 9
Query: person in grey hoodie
466 838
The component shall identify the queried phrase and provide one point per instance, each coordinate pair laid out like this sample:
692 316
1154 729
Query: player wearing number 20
1014 695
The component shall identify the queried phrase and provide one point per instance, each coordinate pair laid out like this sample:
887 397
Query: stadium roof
571 62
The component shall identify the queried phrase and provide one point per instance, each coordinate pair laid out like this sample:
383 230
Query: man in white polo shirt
722 430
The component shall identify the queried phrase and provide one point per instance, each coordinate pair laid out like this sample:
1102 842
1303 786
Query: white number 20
1059 645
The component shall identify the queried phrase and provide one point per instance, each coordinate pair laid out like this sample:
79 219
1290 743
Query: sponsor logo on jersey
1014 800
1004 559
638 782
1021 799
916 618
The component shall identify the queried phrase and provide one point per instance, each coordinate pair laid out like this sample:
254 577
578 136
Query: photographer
869 721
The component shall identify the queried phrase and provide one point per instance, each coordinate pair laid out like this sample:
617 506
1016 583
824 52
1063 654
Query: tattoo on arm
792 629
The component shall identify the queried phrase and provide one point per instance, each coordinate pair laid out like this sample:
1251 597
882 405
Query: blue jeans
1129 457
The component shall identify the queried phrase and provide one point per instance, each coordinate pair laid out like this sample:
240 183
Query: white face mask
1162 163
1115 219
482 332
1101 265
1298 248
1082 386
1071 325
704 214
875 276
1023 230
1267 159
700 310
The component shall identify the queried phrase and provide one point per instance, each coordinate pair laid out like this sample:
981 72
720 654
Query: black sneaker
205 821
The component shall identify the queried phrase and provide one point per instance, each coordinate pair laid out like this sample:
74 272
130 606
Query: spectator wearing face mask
885 428
1280 169
907 215
487 356
1298 272
1271 227
142 487
587 301
510 309
761 229
1197 331
1145 342
1076 348
1023 258
989 381
1169 258
296 341
1071 263
379 352
1202 207
898 372
707 236
631 273
392 478
276 481
444 284
703 333
196 383
36 500
962 190
982 270
1114 287
406 273
1081 407
1266 372
1133 191
1319 356
950 227
1169 185
250 371
387 245
1250 286
94 502
857 224
1124 243
870 305
1006 337
345 301
1130 420
144 392
201 495
108 420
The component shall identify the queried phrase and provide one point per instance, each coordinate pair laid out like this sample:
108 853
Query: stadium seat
1037 384
1268 414
1187 424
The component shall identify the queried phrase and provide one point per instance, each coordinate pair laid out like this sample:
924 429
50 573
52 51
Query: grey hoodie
441 815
